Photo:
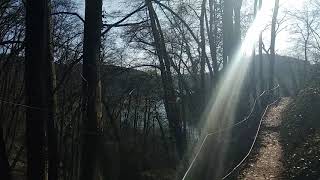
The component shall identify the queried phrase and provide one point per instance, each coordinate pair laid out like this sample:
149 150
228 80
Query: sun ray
220 111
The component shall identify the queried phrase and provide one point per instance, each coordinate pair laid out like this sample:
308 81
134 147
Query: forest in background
83 98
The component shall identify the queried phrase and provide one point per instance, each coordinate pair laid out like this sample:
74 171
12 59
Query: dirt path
265 162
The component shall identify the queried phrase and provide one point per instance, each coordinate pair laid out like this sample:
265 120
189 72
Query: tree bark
227 31
4 163
261 77
52 103
212 36
237 25
203 54
91 58
36 54
253 61
273 43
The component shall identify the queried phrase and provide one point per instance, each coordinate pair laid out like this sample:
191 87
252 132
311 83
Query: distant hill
289 73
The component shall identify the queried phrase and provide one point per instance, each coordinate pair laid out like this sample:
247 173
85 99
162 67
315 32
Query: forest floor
288 145
265 162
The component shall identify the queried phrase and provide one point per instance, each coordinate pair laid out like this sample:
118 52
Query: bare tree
91 89
167 81
262 83
36 54
213 36
305 23
4 163
53 162
273 43
227 31
237 19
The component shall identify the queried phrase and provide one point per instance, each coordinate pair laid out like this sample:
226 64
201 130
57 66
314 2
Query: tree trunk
52 103
90 83
203 55
305 59
4 163
253 61
171 107
36 54
261 77
212 36
273 43
237 25
227 31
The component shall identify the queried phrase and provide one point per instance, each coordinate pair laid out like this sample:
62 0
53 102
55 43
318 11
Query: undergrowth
300 134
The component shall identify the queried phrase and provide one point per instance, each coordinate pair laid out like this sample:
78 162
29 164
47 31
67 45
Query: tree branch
126 24
69 13
123 19
183 22
3 43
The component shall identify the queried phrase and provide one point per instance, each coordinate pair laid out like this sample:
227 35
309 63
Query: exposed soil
266 160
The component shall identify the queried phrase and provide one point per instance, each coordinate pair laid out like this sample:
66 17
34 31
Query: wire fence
228 128
253 143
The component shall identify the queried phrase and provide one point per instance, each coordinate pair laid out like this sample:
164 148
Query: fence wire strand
225 129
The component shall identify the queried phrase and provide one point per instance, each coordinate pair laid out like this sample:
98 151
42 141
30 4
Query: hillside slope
300 134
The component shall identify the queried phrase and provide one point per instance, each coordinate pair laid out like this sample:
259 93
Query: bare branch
126 24
123 19
3 43
69 13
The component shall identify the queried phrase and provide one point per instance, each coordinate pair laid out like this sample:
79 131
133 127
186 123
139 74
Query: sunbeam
227 94
220 111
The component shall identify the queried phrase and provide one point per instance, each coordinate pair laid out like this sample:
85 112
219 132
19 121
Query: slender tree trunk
273 43
203 54
227 31
305 59
167 81
163 136
52 103
91 58
36 54
237 25
212 36
4 163
261 77
253 64
145 133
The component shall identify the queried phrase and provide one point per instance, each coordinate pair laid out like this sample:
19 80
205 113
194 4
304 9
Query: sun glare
293 3
237 71
220 112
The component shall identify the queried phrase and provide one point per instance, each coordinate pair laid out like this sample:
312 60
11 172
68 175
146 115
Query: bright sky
283 42
292 3
284 38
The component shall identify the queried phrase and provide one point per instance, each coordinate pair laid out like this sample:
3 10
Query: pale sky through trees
284 38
